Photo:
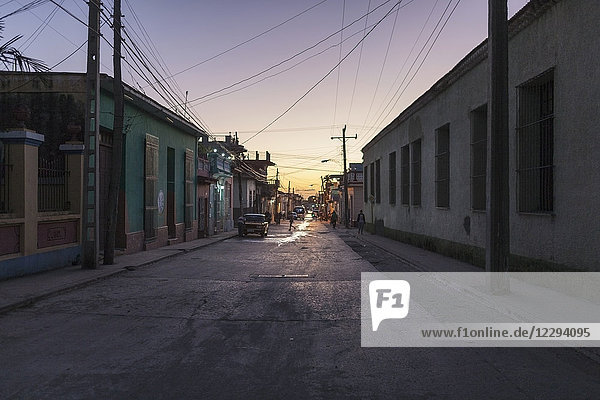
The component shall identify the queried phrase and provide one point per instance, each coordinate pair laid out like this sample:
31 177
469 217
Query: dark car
300 211
253 223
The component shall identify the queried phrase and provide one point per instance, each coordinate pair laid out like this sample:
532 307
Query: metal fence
5 168
53 185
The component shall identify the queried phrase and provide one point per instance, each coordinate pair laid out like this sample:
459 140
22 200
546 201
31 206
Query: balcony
203 168
219 165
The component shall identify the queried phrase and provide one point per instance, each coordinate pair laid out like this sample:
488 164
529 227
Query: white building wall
560 39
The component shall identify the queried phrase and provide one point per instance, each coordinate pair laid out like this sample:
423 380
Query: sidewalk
26 290
420 259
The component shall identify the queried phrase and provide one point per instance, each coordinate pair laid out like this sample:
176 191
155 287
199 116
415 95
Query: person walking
291 218
360 222
334 218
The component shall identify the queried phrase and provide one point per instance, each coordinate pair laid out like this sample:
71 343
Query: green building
157 202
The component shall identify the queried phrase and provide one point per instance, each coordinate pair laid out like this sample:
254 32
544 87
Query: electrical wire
27 7
387 50
151 47
39 29
358 65
322 79
248 40
286 60
337 85
398 96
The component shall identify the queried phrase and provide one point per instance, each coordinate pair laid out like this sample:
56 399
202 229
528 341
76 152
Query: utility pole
346 208
288 198
240 188
90 215
498 228
117 148
322 202
276 211
185 105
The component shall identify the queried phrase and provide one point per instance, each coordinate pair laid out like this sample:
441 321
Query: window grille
151 187
5 169
372 180
478 157
415 164
53 184
405 175
442 166
366 184
392 177
535 145
378 181
189 188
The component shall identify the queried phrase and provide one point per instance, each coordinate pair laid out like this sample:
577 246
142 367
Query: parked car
253 223
300 211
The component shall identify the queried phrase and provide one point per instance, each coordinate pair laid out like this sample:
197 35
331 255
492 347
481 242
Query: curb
66 288
108 274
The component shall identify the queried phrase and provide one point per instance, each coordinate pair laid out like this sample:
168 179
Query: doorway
171 192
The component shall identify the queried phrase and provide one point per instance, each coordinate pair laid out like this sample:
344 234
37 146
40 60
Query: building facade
157 196
425 173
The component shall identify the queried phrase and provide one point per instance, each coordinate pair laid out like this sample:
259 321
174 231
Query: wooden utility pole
498 228
117 148
240 187
90 215
346 208
288 199
276 211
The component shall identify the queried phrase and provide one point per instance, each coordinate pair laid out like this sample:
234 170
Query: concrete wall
570 236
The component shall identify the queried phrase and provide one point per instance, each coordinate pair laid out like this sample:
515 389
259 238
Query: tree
13 59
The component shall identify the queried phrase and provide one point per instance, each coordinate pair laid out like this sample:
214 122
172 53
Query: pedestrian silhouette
334 219
360 222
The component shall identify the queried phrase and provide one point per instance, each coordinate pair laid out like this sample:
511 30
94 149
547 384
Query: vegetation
13 59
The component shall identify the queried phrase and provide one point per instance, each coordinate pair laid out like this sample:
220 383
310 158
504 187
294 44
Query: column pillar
23 183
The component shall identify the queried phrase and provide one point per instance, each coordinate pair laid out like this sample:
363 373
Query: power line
367 136
322 79
424 58
39 29
358 65
337 85
387 50
287 59
150 45
247 41
27 7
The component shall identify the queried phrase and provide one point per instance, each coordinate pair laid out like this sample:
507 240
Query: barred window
5 169
392 177
151 187
535 144
478 157
442 166
378 181
189 188
366 183
53 189
415 166
404 175
372 180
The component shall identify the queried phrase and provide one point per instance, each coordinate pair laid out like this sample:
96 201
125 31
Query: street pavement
253 317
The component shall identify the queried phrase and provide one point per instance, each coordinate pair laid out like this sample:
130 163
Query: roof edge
521 20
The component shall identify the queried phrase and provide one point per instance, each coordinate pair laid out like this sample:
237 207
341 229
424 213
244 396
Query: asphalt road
254 318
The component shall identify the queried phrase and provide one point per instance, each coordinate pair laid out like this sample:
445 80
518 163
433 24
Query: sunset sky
244 66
